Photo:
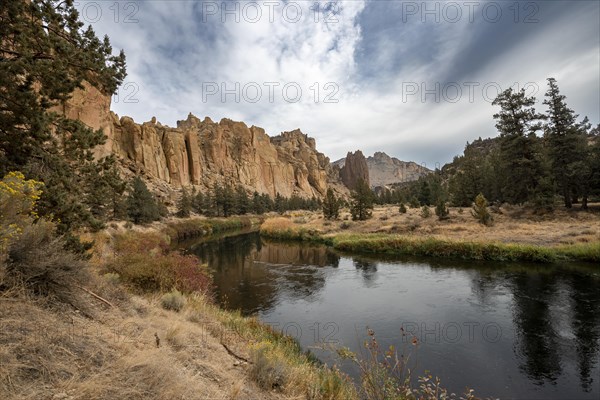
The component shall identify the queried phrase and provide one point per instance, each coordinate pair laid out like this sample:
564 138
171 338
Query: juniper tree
361 204
184 205
331 205
441 210
45 54
141 204
480 211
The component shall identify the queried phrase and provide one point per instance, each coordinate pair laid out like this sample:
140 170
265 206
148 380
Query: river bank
515 236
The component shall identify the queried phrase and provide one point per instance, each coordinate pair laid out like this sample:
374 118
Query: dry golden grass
513 225
49 353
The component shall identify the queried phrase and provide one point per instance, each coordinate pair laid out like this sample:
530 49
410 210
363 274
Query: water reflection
550 316
585 298
536 339
251 275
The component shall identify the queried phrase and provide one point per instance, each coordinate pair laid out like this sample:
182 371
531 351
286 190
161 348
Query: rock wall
355 169
203 152
385 170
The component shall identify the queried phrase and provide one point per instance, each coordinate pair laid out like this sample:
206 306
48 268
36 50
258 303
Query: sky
413 79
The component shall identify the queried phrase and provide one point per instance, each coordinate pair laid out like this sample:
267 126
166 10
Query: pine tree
566 140
361 205
258 206
141 204
331 205
184 205
45 54
241 200
520 158
425 211
227 200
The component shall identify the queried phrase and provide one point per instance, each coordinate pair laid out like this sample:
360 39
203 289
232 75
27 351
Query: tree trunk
567 197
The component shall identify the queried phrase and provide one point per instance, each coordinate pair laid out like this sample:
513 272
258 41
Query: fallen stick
96 296
235 355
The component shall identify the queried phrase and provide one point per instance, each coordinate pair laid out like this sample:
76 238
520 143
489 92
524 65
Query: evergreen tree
242 202
361 205
227 201
424 192
45 55
441 210
258 206
480 211
280 204
331 205
517 122
141 204
197 201
566 141
425 212
402 208
184 205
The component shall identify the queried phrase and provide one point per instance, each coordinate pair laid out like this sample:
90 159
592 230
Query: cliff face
355 169
385 170
203 152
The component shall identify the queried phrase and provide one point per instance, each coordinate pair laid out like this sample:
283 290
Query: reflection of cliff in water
249 274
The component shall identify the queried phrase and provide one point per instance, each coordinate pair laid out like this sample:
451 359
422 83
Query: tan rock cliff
203 152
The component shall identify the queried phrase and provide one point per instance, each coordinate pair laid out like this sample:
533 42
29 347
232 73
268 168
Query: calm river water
507 331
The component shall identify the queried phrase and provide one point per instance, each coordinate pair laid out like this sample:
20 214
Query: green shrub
402 208
480 212
425 212
173 300
442 211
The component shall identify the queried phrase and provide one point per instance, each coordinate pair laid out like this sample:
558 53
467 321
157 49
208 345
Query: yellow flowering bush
18 198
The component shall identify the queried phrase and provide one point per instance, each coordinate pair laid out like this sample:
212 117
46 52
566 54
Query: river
510 331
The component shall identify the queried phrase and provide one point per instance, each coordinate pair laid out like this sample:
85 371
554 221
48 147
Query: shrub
480 212
414 202
425 212
18 198
144 261
345 225
442 211
173 300
402 208
39 262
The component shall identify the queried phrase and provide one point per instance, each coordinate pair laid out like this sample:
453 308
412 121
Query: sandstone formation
355 169
385 170
203 152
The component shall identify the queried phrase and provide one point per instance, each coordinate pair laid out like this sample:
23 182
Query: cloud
346 72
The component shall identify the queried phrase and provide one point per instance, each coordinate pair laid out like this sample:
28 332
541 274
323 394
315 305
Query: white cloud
172 51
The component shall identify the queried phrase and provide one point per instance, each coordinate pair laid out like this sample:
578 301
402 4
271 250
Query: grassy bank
145 264
395 244
183 229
